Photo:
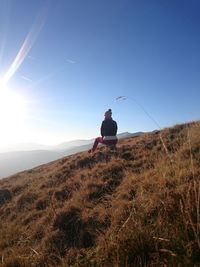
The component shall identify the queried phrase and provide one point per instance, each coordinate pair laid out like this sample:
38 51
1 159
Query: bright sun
12 115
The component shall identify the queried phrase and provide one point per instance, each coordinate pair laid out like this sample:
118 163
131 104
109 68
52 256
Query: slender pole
150 117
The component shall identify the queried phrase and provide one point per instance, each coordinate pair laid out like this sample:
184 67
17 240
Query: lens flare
24 50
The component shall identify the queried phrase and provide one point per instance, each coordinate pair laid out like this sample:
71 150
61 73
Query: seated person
108 132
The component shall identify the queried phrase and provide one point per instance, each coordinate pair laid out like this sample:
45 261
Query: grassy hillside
137 206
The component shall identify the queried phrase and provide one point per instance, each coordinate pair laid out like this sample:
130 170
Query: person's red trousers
104 142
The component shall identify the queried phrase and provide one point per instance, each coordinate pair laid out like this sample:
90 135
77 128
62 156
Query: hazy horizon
26 146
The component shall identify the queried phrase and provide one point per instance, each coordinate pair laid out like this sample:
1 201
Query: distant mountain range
29 155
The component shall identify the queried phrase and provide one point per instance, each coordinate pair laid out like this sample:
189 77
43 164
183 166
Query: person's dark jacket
108 128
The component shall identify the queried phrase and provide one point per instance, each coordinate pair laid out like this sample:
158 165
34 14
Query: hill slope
137 206
12 162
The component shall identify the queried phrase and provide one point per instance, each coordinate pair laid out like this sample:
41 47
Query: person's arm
115 128
102 129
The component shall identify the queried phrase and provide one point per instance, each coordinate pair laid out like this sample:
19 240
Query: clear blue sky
80 55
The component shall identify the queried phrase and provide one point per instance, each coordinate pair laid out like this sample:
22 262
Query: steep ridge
136 206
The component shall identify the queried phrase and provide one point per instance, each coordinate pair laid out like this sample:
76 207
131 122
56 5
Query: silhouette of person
108 132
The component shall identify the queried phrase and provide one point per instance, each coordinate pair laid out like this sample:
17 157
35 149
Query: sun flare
12 115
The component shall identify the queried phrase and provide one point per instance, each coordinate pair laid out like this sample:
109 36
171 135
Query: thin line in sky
31 57
26 78
71 61
26 47
141 106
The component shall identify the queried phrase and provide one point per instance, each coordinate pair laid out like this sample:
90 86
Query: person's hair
108 113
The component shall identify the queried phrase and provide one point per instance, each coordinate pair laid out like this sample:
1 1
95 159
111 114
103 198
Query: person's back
108 127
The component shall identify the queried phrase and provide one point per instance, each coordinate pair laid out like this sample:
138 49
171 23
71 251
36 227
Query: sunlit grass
137 206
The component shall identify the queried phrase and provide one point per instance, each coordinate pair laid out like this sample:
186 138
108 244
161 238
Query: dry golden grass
137 206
